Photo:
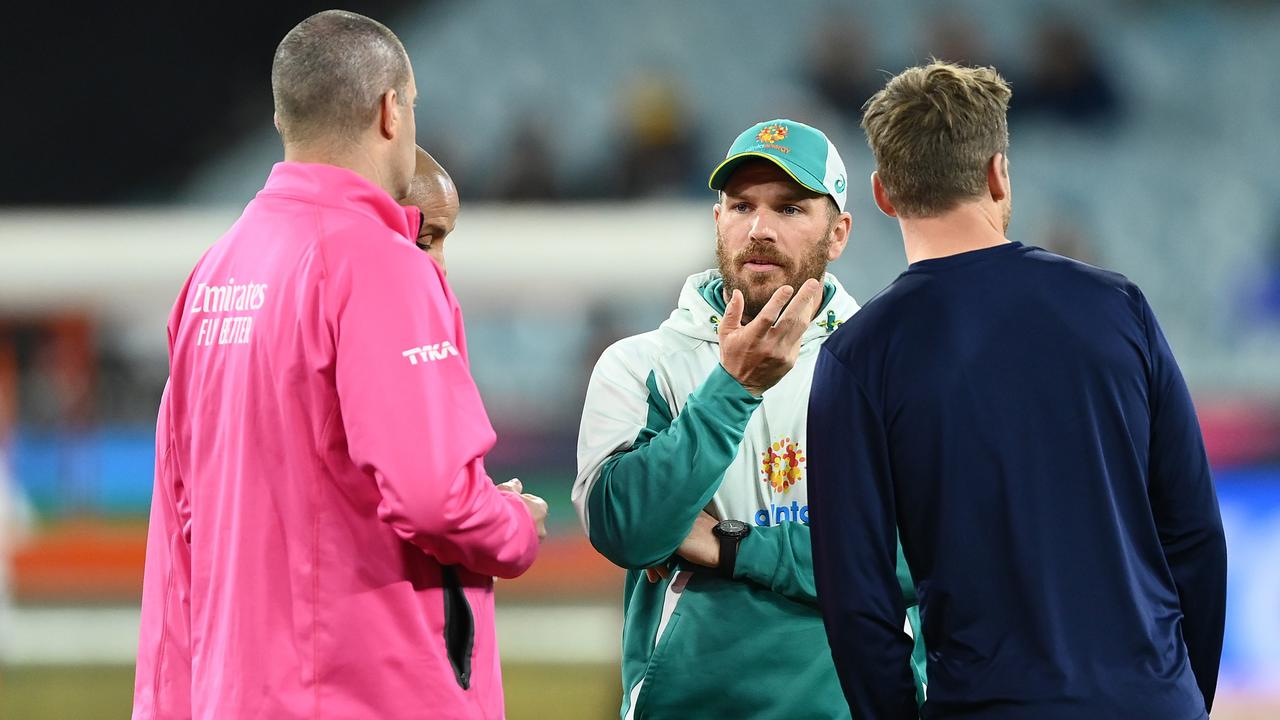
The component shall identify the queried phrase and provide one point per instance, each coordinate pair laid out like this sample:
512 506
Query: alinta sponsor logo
430 353
782 466
778 514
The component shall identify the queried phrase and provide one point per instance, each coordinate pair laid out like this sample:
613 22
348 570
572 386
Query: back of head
330 73
934 129
431 184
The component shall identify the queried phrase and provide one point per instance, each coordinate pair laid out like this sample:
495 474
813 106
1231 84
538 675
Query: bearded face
760 267
772 231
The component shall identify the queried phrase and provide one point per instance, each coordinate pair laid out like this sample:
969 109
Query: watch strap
728 555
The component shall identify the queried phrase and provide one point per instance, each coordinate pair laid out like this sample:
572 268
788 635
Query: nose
762 227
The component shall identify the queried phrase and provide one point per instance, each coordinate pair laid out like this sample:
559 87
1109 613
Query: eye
425 241
741 207
792 210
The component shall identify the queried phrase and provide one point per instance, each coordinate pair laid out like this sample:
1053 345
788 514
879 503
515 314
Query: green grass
534 692
564 692
89 692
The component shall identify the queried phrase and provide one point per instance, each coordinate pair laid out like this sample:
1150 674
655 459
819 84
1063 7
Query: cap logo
839 184
772 133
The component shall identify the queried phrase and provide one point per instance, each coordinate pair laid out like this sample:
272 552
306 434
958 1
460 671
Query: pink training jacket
323 534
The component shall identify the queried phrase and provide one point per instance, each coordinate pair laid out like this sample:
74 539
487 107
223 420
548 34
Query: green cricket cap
802 151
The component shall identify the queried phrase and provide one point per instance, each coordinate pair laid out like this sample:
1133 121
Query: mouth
761 264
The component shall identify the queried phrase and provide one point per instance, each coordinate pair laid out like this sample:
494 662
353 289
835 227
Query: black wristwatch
730 533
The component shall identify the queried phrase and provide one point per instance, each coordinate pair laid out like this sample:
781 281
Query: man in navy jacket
1018 418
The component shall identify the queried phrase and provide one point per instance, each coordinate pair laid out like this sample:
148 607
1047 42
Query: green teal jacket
666 433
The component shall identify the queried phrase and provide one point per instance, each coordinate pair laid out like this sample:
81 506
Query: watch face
732 528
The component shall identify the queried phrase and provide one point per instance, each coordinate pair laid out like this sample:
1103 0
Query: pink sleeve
412 414
162 680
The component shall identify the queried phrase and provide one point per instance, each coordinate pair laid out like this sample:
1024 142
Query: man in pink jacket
323 535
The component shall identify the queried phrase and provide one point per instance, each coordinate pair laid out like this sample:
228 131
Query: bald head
432 191
330 73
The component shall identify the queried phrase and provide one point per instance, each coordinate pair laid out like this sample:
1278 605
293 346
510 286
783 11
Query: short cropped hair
933 130
330 72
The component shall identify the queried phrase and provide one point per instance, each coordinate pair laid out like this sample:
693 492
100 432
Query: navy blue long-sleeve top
1018 418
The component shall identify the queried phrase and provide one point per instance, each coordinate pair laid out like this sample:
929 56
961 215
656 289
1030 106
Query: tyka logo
430 353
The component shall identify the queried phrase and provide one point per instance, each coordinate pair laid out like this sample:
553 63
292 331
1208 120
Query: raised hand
759 353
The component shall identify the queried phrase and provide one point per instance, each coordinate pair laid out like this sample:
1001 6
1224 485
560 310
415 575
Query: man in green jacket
691 465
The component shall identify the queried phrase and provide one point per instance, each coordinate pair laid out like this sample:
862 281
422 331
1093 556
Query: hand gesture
759 353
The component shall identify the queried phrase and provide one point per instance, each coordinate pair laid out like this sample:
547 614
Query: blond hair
933 129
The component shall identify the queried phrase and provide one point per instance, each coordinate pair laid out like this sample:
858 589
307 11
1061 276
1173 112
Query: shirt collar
339 187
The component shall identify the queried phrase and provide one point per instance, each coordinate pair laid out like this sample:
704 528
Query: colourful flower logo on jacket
781 464
772 133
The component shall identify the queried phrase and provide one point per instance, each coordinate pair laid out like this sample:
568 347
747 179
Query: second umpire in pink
323 534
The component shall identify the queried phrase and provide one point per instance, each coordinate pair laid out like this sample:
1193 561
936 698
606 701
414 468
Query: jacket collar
334 186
